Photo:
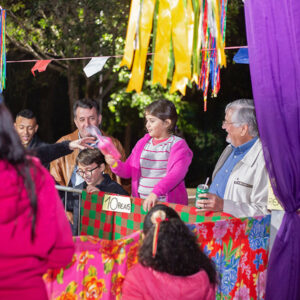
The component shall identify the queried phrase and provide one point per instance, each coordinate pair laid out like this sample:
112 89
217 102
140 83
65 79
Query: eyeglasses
225 123
87 173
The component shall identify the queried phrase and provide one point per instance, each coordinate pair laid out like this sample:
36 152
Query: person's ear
36 128
102 167
245 128
99 119
168 123
76 123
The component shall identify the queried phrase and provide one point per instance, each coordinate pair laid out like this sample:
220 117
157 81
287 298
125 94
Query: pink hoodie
23 262
143 283
172 184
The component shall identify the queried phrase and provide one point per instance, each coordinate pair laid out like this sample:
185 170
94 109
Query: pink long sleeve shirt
23 262
172 185
143 283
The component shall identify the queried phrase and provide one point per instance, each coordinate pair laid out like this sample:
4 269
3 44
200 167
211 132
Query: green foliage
60 29
121 99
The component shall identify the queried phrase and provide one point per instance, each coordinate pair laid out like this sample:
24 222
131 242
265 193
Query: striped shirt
153 162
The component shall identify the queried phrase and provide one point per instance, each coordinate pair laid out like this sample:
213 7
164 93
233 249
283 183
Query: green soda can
201 189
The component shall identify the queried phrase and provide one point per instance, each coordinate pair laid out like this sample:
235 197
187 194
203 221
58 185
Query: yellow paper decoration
162 48
138 69
192 28
130 35
180 46
220 44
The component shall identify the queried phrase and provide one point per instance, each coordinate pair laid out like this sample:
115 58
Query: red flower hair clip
156 218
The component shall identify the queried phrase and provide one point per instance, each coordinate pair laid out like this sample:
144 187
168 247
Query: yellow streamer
131 33
195 75
179 84
219 41
175 23
190 19
180 46
162 44
138 69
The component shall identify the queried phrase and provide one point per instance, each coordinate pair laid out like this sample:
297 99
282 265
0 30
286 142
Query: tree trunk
73 91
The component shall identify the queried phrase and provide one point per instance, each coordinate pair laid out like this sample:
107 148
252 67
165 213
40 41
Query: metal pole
79 214
67 189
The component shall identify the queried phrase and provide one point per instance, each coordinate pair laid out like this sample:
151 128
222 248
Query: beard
228 140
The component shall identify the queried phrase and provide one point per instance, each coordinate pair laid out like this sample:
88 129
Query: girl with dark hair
35 234
171 264
159 161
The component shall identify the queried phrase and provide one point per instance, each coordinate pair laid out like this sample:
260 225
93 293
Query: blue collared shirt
219 183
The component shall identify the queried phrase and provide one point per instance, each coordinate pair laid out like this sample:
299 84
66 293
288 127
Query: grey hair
86 103
243 112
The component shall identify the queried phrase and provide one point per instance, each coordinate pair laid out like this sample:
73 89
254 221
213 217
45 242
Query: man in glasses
240 178
90 167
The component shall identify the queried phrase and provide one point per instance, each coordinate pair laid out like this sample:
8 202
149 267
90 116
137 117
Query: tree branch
25 47
38 53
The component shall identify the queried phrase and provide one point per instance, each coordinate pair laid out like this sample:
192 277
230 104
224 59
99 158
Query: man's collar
255 151
244 147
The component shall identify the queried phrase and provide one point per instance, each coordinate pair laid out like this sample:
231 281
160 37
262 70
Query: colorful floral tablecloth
239 247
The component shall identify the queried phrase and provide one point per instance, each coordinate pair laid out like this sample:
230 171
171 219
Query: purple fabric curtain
273 33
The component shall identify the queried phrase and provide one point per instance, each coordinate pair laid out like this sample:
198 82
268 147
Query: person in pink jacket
35 234
159 161
171 264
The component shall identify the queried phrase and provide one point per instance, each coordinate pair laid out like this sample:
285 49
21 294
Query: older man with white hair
240 178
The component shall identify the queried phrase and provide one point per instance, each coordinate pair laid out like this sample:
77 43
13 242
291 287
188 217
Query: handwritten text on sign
116 203
273 203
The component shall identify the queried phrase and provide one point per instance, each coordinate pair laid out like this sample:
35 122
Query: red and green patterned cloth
114 225
239 248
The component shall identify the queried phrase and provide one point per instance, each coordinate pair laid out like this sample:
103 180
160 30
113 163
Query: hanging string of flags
95 64
91 57
181 29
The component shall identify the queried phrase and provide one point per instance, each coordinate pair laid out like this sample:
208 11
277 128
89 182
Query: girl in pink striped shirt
159 161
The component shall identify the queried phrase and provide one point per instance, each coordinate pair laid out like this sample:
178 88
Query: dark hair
86 103
26 113
12 151
89 156
178 252
163 109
